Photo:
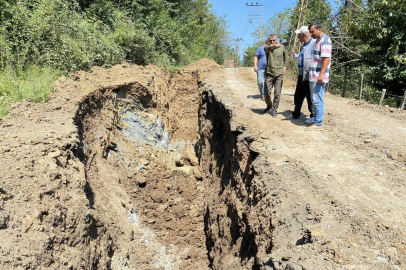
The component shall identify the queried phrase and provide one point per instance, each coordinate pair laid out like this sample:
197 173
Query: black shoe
291 117
266 110
274 114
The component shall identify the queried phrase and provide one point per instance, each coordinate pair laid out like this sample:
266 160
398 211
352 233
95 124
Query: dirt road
136 168
341 189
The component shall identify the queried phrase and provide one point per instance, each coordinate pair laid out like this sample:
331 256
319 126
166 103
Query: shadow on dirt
254 96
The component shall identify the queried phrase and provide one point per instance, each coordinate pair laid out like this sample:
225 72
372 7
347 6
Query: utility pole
236 51
256 18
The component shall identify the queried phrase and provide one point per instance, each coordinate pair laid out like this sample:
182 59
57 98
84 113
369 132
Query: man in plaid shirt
319 72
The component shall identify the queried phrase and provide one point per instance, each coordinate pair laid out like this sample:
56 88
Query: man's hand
284 70
293 51
256 69
320 78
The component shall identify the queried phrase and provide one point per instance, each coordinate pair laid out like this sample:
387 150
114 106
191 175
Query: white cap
303 29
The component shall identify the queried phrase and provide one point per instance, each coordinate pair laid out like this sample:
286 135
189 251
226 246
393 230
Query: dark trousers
302 92
276 83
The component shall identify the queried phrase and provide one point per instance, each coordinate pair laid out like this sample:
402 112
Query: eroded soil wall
95 192
237 215
76 193
145 190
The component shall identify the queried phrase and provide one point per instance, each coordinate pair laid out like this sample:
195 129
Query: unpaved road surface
136 168
337 195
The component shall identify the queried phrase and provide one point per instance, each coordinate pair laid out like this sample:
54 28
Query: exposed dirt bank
105 175
136 168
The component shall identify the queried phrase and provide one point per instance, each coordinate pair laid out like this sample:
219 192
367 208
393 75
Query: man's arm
325 54
326 62
272 46
256 63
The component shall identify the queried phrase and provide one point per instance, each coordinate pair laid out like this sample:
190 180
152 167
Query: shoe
309 121
266 110
290 117
274 114
315 128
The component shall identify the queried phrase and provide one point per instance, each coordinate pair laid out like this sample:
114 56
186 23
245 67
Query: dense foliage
377 30
78 34
68 35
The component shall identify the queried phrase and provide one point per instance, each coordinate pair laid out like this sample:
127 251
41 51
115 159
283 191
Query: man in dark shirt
302 85
276 68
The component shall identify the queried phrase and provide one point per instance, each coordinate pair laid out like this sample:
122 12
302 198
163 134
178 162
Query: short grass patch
34 82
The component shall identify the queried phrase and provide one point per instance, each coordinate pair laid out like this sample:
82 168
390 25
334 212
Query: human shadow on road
297 122
259 110
254 96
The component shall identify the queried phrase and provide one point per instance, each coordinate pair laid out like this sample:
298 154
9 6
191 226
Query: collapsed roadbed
136 168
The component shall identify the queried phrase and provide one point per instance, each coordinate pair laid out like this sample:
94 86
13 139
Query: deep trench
200 195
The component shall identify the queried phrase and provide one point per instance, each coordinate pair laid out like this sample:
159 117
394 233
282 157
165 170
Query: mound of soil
80 190
203 64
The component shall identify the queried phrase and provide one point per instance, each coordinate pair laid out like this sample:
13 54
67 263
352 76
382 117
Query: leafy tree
249 54
77 34
368 38
380 27
68 35
279 25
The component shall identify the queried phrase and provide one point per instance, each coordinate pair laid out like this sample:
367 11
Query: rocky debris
4 218
292 266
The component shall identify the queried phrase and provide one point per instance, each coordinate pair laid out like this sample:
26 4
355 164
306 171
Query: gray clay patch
145 128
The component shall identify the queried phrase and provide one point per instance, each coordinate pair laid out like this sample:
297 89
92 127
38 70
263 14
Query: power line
266 6
256 17
244 32
269 5
239 23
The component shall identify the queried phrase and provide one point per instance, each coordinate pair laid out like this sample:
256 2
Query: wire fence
358 84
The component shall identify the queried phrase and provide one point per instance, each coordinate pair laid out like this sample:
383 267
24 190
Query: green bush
38 35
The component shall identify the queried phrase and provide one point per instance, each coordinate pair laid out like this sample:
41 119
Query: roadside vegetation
42 39
368 38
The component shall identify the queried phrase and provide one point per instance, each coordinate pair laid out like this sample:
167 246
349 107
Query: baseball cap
303 29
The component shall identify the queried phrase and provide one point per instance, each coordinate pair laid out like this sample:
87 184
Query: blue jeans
317 94
260 81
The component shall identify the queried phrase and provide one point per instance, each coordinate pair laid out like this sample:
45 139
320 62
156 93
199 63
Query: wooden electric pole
256 18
